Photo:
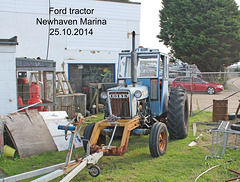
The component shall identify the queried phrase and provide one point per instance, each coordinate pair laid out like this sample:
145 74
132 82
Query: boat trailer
71 168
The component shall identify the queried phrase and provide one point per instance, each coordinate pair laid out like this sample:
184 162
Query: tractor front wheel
158 139
87 134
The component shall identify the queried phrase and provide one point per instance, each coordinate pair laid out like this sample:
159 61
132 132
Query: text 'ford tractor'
140 104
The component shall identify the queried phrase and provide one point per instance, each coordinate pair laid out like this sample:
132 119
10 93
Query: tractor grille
120 104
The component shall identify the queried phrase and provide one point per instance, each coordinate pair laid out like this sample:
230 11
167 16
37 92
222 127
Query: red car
198 85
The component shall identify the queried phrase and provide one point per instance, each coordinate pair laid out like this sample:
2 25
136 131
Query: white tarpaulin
52 120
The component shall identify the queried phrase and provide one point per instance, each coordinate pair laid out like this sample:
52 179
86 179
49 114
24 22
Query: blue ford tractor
140 104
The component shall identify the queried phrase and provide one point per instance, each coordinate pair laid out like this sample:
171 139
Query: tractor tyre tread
153 133
177 115
156 130
87 134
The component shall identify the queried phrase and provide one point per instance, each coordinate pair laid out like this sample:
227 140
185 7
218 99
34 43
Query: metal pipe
110 142
27 107
133 61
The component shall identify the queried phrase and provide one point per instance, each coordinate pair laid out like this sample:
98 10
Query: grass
180 163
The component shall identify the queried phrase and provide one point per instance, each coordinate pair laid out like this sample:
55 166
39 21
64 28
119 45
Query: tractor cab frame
152 71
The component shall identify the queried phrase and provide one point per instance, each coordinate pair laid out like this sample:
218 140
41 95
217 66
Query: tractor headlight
103 95
137 93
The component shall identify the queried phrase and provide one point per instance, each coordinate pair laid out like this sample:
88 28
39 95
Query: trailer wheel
177 115
87 135
158 139
94 171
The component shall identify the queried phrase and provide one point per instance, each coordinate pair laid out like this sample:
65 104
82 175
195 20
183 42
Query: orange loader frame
127 124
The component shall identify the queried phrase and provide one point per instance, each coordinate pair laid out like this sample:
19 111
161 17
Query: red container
20 102
35 96
34 91
22 78
34 101
85 90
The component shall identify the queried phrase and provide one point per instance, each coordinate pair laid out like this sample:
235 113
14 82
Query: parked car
198 85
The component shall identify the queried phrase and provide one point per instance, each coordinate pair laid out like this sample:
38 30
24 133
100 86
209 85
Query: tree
202 32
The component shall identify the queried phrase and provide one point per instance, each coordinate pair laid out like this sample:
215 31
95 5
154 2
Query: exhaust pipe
133 61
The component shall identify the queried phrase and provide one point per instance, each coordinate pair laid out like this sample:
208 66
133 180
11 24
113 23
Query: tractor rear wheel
158 139
177 115
88 133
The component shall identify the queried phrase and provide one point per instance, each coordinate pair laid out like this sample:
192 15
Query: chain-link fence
205 87
209 86
224 78
36 83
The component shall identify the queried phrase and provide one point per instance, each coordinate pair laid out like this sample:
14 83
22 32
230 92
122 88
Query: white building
87 34
8 81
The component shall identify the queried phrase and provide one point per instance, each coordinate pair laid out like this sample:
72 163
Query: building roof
11 41
34 63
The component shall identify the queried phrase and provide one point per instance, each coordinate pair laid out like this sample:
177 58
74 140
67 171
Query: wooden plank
45 85
61 83
34 74
30 133
58 87
92 101
194 129
75 171
68 84
97 101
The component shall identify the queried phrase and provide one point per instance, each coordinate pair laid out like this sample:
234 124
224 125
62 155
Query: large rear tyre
178 119
88 133
158 139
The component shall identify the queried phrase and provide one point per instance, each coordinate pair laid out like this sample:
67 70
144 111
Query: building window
80 75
